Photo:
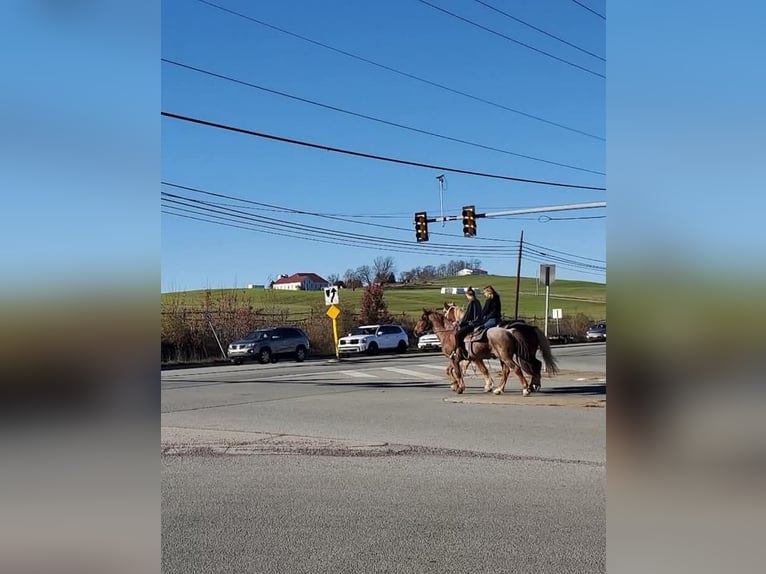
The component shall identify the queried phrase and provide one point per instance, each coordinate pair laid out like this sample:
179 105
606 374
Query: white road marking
358 374
408 372
438 367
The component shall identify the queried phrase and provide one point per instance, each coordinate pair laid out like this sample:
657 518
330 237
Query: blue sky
414 38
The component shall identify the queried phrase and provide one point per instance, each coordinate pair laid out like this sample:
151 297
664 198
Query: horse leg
522 379
488 382
458 386
450 375
536 383
506 370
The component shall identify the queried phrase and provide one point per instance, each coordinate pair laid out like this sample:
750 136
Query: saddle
507 324
478 335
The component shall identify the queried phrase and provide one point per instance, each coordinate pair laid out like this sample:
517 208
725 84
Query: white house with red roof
300 282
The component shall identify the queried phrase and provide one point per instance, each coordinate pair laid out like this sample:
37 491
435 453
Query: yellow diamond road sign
333 312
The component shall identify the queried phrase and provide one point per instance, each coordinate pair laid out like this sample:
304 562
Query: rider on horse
491 311
472 318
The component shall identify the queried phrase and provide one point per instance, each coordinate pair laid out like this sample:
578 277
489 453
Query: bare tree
351 279
365 274
383 267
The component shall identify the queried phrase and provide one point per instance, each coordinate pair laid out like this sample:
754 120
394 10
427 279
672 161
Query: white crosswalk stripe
437 367
409 373
358 374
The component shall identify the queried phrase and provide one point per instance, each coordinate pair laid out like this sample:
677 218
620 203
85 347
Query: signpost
547 276
557 314
331 297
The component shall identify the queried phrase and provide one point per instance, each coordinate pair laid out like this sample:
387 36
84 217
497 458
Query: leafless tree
365 274
383 268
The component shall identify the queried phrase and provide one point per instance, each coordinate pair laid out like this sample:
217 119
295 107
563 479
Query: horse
448 347
452 312
519 339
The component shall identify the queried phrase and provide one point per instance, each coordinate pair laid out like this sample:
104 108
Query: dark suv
265 345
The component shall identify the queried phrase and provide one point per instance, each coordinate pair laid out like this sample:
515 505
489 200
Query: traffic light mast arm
523 211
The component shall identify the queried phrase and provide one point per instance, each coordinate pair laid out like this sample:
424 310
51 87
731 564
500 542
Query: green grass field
572 297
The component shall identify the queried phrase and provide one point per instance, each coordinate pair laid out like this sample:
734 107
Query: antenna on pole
440 179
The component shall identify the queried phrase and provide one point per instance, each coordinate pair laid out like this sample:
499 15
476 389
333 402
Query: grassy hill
572 297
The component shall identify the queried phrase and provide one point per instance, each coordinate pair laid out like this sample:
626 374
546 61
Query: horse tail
523 352
545 348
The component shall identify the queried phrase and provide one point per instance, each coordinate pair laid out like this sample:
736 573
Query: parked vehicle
429 341
373 338
266 345
597 332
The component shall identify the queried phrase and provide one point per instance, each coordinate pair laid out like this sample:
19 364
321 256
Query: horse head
424 323
452 312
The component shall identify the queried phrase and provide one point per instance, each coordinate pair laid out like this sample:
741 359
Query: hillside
572 297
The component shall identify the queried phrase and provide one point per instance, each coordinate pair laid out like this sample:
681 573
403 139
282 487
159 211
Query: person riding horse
492 312
472 318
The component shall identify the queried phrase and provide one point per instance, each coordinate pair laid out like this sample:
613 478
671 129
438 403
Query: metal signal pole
440 179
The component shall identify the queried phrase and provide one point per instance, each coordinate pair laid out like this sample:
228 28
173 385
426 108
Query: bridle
431 324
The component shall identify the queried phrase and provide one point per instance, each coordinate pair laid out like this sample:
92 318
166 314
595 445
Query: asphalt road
368 466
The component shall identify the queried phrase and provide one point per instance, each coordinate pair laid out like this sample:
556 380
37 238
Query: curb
518 399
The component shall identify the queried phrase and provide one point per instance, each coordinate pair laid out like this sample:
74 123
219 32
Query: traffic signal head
421 226
469 221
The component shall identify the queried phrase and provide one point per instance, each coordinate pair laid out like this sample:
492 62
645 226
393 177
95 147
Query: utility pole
518 276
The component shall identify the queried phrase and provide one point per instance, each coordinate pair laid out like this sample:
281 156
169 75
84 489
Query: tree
383 268
351 280
365 274
373 309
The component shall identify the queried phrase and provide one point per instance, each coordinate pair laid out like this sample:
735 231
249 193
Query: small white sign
331 295
557 313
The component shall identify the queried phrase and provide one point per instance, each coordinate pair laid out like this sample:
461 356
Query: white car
373 338
428 342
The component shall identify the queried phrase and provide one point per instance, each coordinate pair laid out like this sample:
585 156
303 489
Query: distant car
266 345
373 338
429 341
596 333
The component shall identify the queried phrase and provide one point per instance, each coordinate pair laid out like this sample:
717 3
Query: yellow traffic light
469 221
421 226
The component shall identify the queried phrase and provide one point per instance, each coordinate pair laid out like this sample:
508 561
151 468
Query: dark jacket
473 315
492 308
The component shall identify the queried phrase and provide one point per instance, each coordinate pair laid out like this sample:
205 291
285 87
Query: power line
302 229
374 119
501 35
520 21
563 252
589 9
271 207
204 209
402 73
373 156
298 211
254 225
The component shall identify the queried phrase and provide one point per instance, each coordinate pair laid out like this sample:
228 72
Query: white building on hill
301 282
467 271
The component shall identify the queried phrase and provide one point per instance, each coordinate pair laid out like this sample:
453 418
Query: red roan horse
514 345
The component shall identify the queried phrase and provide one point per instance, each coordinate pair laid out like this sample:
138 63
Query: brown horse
452 312
519 341
448 347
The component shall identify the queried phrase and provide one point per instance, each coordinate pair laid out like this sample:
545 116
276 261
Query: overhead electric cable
376 157
207 208
400 72
376 246
520 21
374 119
589 9
501 35
271 207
